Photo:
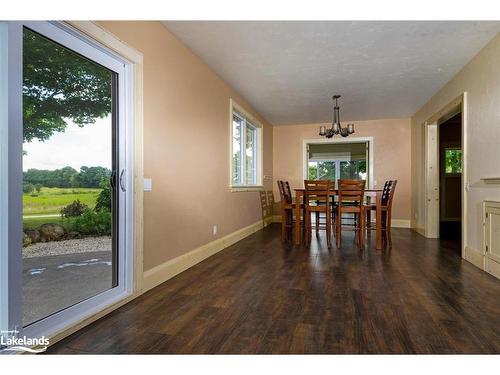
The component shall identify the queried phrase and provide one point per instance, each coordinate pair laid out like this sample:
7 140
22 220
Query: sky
76 147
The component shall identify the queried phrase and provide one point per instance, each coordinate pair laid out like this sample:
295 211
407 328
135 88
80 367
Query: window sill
235 189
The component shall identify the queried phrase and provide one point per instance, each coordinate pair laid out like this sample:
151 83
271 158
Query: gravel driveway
82 245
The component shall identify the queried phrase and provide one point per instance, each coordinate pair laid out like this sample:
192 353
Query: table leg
379 221
298 217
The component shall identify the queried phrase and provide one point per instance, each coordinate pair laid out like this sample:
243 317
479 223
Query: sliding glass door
67 158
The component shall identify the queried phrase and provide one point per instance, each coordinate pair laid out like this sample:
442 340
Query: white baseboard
161 273
419 230
480 260
400 223
474 256
492 267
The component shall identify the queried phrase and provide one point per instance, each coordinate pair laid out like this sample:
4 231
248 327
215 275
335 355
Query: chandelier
336 128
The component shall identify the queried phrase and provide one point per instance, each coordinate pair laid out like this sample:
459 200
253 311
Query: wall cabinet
492 238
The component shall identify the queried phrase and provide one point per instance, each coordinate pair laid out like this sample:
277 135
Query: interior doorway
446 185
450 180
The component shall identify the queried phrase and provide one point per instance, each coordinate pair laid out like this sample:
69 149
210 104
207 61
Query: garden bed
64 247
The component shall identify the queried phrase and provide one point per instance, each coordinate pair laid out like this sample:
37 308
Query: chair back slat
280 188
351 191
317 192
388 193
287 191
270 201
266 210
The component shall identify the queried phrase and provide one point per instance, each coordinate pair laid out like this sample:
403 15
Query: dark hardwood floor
262 296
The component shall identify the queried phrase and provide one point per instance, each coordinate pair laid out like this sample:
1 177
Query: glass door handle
112 179
122 182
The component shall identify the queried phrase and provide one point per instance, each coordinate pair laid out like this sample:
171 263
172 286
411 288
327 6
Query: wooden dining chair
287 208
386 208
270 203
267 206
264 207
317 200
350 200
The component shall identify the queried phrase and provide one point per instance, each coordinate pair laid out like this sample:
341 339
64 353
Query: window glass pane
250 153
313 170
453 161
236 170
353 169
69 252
326 170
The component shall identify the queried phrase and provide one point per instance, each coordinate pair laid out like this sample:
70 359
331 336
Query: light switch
148 184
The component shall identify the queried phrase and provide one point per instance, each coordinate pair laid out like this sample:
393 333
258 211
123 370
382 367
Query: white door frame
431 228
71 38
369 140
431 161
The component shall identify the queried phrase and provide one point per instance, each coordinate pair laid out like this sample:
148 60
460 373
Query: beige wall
392 157
480 78
186 147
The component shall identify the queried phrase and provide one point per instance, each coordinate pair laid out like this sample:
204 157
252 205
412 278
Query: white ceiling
288 71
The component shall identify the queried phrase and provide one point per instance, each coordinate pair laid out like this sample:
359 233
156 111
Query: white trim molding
431 155
369 140
400 223
474 256
420 230
165 271
234 107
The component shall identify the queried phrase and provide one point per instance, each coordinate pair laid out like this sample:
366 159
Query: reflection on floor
263 296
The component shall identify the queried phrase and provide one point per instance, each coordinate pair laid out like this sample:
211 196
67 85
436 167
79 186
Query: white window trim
241 112
370 140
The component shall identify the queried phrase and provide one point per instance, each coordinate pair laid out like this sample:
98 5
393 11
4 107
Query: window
245 150
335 160
453 161
335 169
52 65
322 170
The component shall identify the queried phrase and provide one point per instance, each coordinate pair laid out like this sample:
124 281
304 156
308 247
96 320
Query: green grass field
51 200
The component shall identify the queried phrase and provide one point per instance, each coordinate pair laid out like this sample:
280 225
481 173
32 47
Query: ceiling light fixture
336 128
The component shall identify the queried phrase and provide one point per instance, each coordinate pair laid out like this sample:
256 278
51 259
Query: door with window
68 252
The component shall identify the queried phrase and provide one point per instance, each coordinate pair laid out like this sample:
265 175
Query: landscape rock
26 240
51 232
33 234
73 235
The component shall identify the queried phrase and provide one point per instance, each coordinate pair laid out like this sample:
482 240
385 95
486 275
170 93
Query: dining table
372 193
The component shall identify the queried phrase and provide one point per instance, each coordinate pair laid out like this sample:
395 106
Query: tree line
68 177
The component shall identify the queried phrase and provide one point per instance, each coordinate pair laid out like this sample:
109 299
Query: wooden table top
336 190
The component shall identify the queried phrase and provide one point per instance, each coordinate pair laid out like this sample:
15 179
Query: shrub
73 209
91 222
103 201
28 188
